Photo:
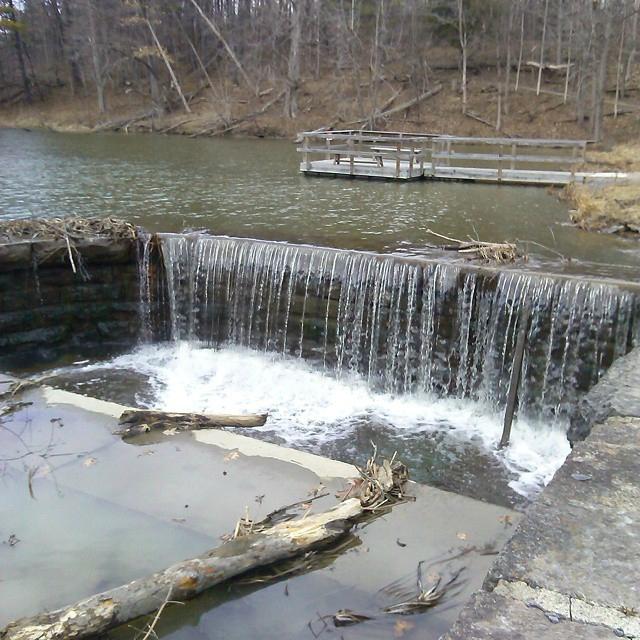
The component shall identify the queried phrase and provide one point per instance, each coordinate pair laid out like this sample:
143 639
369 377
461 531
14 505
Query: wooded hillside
360 58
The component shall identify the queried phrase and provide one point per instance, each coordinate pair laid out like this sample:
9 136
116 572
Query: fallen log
400 108
407 105
185 580
217 131
134 422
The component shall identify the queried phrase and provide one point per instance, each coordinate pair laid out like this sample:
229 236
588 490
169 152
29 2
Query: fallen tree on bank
185 580
135 422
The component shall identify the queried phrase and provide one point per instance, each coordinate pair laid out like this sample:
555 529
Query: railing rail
440 152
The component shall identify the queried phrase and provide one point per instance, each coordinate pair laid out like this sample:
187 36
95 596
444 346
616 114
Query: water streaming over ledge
407 325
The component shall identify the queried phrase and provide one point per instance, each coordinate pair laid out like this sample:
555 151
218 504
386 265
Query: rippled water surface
253 188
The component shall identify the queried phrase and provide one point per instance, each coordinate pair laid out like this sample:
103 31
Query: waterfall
407 325
144 283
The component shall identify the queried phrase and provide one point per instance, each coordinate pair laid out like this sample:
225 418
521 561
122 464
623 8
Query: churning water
343 349
406 326
447 440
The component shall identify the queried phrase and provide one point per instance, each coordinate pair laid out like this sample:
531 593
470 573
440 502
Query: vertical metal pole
514 382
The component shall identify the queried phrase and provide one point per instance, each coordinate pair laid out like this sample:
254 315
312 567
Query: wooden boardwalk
402 156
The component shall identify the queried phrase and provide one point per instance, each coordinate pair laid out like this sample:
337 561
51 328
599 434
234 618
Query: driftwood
488 251
187 579
134 422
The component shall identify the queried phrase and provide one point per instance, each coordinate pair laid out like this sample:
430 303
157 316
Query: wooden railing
431 153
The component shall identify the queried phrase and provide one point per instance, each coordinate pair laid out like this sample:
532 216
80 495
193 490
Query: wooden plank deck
401 156
364 169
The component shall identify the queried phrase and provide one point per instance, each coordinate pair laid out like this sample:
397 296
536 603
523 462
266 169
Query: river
252 188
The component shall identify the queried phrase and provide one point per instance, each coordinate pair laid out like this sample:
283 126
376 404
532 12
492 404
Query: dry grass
614 208
622 157
65 229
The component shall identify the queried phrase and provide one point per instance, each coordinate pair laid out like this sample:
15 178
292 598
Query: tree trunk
18 44
185 580
568 74
214 28
462 34
521 50
96 58
174 79
544 33
634 42
600 81
65 21
293 67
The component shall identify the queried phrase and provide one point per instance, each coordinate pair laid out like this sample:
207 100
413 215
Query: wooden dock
409 156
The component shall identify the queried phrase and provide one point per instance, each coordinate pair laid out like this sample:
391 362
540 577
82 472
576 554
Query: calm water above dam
252 188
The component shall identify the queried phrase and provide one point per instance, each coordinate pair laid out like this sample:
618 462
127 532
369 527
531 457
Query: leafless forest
370 59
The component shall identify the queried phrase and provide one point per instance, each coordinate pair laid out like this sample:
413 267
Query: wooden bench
376 160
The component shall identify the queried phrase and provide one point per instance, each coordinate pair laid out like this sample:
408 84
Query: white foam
307 406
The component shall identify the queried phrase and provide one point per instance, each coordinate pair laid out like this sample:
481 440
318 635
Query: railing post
435 147
411 151
305 155
514 154
448 153
574 157
351 158
328 143
398 149
499 163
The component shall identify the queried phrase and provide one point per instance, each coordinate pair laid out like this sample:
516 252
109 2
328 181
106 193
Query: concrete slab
490 616
578 538
573 559
91 511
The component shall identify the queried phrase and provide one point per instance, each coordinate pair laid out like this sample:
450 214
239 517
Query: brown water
253 188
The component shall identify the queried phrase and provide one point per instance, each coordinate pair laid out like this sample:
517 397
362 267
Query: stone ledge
616 394
577 539
491 616
574 558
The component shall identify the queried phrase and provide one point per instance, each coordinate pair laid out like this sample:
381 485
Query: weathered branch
162 52
228 49
135 422
187 579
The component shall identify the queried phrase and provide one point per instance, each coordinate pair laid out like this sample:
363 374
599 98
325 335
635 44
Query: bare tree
464 41
293 67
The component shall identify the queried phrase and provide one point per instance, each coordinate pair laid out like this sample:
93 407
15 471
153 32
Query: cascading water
343 348
408 326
